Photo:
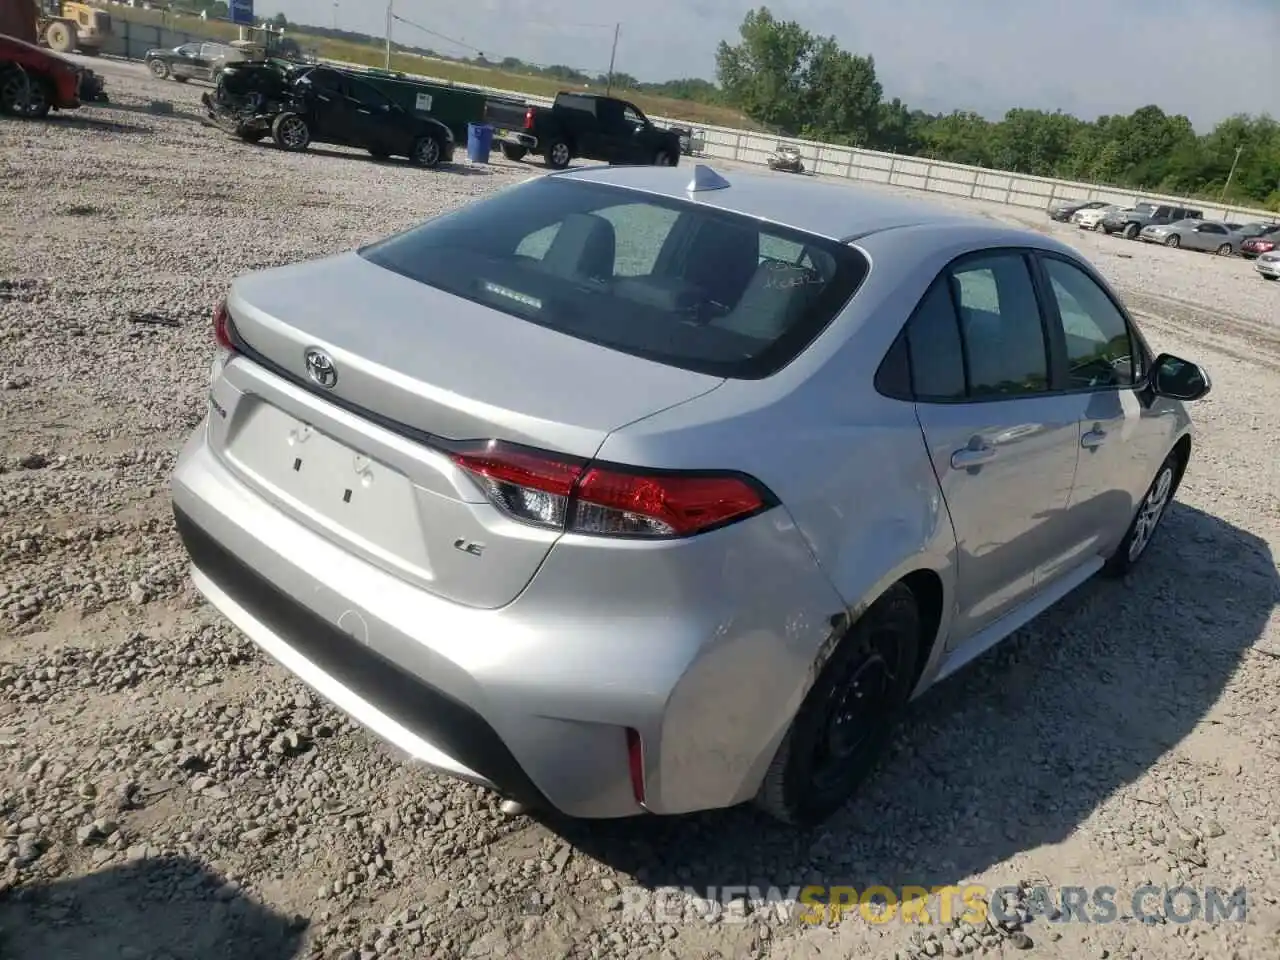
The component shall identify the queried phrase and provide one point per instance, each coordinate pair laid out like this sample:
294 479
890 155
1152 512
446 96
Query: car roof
838 211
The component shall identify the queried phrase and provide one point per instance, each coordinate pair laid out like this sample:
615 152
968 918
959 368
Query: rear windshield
673 281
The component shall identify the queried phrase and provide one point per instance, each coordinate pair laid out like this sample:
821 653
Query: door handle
363 110
972 456
1094 438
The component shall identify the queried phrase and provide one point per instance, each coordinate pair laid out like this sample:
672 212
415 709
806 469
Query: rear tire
844 723
1225 250
1146 520
513 152
1130 231
291 132
1173 240
1099 228
1266 277
558 155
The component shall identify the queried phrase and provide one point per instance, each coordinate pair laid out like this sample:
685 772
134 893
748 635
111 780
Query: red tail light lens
606 501
222 327
528 119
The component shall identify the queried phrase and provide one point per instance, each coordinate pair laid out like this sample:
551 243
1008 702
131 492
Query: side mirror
1178 379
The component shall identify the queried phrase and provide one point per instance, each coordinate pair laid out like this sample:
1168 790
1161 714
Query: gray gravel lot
167 793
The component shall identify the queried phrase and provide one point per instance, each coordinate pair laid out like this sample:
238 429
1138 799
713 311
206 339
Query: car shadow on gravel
161 909
454 167
1014 752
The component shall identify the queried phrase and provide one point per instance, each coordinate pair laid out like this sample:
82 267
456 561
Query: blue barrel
479 142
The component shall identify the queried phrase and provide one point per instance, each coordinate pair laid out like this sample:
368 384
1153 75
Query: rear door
579 118
1003 445
1210 236
186 61
211 54
332 112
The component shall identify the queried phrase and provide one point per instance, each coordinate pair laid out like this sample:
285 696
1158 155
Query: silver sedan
1205 235
618 492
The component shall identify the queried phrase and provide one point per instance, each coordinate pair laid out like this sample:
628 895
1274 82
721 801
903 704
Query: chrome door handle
1094 439
972 457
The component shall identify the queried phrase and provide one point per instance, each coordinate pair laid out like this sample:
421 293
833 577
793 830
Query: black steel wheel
848 715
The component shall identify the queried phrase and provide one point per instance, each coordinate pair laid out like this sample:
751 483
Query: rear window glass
676 282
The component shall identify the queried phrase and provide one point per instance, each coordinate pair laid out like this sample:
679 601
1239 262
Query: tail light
222 327
603 500
528 119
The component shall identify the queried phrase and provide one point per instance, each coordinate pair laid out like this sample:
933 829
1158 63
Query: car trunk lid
359 452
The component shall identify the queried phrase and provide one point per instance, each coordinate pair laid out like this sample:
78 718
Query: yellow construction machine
68 27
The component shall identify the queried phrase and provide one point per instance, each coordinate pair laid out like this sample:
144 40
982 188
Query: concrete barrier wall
133 40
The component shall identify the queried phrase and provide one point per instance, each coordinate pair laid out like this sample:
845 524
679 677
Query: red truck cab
34 81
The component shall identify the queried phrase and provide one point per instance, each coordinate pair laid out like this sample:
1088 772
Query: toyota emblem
320 368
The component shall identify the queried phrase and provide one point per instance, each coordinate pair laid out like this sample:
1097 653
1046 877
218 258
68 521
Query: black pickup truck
586 125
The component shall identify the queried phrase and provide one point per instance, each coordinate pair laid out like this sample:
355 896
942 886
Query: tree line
800 84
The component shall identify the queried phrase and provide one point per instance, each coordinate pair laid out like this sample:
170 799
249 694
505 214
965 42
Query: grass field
440 69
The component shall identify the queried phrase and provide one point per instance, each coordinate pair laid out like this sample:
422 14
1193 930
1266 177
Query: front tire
1130 231
1146 522
25 95
843 725
159 69
291 132
1225 250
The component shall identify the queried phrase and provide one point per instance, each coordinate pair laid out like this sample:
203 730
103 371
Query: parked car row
1178 227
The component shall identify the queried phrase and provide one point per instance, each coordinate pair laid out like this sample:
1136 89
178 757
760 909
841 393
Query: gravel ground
167 793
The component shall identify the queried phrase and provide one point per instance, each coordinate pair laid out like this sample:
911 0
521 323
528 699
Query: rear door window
677 282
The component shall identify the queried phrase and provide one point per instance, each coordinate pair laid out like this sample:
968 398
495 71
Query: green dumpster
454 106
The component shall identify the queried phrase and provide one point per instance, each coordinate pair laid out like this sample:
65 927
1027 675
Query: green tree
765 74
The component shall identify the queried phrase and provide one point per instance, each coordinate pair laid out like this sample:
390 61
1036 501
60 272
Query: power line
592 71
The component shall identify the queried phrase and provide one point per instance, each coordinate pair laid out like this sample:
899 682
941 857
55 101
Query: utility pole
608 87
1226 186
390 16
335 15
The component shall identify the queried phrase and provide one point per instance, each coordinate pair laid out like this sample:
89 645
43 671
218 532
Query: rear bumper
525 140
394 704
704 649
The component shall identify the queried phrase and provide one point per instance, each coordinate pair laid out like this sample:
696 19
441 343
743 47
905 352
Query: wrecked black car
297 105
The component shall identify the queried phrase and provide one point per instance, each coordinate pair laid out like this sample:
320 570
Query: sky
1207 59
